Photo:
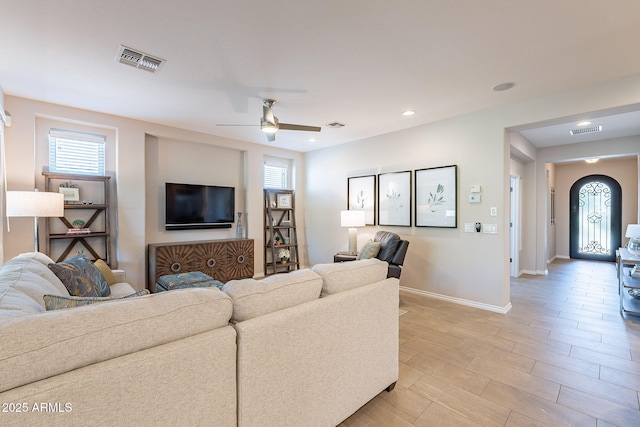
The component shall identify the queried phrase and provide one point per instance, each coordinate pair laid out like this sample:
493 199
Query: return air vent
335 125
586 130
138 59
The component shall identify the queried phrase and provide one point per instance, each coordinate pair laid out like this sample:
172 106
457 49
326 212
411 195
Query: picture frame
436 194
361 196
394 199
71 194
283 201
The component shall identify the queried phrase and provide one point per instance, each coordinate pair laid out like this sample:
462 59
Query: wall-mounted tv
198 206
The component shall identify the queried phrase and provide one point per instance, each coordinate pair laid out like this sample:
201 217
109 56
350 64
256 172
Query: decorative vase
239 226
634 246
78 223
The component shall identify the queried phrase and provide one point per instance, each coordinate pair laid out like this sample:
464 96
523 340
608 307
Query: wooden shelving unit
280 231
98 242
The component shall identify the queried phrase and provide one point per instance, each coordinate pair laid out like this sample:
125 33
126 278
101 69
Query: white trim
563 256
460 301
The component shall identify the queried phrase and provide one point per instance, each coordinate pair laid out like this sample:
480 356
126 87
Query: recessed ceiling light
591 160
312 140
503 86
584 123
408 112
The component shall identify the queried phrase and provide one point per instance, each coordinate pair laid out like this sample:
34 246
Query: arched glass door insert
595 218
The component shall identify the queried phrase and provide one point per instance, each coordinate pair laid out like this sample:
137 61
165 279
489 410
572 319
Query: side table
344 257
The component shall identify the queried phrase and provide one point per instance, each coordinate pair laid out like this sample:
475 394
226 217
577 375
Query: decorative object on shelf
284 255
239 226
352 219
394 199
633 233
71 194
277 240
34 204
74 231
78 223
284 201
361 193
635 292
436 198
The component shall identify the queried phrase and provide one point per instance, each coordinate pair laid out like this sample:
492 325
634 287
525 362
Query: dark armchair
392 250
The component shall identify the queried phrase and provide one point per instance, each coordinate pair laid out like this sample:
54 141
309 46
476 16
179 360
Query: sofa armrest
120 276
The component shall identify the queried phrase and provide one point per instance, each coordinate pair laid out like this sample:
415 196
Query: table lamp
352 219
35 204
633 233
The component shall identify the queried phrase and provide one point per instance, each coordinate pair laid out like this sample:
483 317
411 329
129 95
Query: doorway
595 218
514 226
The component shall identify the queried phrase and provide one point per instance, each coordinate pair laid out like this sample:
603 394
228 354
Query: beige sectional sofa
305 348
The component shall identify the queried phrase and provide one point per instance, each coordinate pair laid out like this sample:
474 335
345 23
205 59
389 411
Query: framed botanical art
361 196
436 197
394 198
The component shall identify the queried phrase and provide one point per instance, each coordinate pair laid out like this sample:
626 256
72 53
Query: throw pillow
106 271
81 277
58 302
370 250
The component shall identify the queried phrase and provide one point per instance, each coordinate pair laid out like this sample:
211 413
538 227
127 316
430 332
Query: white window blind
275 176
76 152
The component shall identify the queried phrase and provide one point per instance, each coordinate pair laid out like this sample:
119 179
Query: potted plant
284 255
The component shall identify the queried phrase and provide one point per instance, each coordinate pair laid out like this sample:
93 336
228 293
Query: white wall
469 268
131 168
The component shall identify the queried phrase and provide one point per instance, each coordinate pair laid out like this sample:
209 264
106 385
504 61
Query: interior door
595 218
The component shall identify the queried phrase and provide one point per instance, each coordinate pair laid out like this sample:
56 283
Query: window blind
76 152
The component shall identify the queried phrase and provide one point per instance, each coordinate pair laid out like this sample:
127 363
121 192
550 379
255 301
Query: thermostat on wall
474 198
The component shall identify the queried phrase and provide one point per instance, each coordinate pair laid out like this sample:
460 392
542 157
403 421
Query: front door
595 218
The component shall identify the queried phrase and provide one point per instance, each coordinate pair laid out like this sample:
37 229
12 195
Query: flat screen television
198 206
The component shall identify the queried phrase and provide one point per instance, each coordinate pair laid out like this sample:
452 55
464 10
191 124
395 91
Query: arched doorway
595 218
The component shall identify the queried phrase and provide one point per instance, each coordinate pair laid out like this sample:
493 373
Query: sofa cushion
81 277
253 298
23 281
342 276
57 302
370 250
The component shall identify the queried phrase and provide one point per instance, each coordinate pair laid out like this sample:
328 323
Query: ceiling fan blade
234 125
288 126
271 137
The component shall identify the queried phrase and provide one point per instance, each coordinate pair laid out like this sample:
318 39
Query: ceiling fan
270 124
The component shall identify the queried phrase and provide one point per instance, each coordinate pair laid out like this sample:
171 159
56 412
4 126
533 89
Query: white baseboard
535 272
563 257
468 303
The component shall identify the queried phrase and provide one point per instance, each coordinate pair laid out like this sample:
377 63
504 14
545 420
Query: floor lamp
35 204
352 219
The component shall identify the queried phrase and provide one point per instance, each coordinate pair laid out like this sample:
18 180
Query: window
276 174
76 152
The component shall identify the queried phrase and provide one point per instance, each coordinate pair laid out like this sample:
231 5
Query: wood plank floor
562 356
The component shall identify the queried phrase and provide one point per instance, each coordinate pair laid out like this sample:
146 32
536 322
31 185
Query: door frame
616 217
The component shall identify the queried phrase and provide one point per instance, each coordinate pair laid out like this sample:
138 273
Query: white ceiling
359 62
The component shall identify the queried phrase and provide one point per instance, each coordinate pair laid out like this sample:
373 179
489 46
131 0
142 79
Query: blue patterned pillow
81 277
58 302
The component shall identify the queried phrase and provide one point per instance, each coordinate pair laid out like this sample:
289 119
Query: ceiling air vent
335 125
586 130
138 59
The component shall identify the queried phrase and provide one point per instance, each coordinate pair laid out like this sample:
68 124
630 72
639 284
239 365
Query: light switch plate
494 211
476 188
469 227
490 228
474 198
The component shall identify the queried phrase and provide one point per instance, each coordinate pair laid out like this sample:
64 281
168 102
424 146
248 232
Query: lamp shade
352 218
35 204
633 230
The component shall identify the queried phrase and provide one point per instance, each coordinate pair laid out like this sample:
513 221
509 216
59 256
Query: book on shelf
79 231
